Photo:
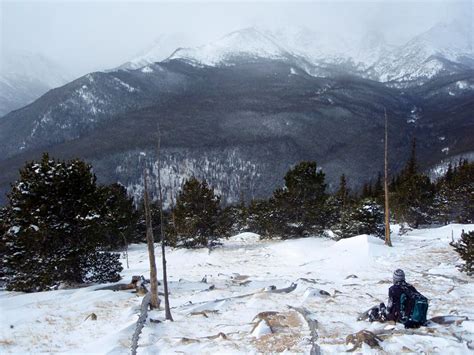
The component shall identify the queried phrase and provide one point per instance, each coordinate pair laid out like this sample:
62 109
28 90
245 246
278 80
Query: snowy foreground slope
56 321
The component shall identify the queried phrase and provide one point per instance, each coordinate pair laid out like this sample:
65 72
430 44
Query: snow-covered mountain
24 77
248 43
443 48
159 50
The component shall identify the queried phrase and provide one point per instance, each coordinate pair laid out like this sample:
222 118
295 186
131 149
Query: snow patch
262 328
147 69
14 230
125 85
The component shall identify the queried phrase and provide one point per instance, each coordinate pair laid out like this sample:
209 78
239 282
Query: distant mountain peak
245 43
437 50
159 50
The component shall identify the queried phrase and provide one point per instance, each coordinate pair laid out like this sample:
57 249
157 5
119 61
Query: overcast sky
90 35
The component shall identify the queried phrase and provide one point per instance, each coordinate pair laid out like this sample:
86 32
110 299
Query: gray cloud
85 36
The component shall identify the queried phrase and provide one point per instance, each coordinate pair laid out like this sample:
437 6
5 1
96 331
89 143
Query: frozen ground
356 274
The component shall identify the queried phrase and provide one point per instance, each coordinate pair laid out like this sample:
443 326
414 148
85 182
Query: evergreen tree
233 220
465 248
338 203
454 199
262 217
53 228
196 215
300 207
378 190
367 191
366 217
120 218
463 194
342 193
413 194
138 234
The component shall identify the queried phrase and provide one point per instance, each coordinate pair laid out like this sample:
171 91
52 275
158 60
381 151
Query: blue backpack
413 308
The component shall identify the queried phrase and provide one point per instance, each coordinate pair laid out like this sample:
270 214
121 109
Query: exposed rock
277 331
363 336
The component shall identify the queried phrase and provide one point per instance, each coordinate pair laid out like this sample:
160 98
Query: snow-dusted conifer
366 217
195 215
413 194
465 248
300 207
52 226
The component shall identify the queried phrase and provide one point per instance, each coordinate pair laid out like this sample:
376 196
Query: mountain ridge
242 126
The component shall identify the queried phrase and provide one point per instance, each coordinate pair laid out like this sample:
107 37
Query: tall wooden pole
154 301
387 210
162 229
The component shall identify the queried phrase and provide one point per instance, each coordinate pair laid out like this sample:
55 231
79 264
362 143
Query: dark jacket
394 294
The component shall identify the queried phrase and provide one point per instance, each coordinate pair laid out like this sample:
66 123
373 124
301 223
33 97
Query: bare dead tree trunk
140 322
162 229
172 196
388 241
155 301
126 248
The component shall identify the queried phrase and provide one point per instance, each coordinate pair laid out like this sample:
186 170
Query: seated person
402 300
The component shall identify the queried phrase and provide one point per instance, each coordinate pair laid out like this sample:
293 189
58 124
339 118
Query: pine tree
366 217
465 248
464 192
378 190
300 207
454 199
342 194
196 215
413 194
52 228
261 218
119 217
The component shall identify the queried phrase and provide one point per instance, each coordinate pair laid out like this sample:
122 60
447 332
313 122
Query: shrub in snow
101 267
366 217
196 215
53 227
465 248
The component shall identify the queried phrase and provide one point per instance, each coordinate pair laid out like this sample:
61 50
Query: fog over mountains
241 110
26 76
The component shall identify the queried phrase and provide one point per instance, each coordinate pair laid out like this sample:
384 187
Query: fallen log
121 287
448 320
140 322
270 289
283 290
313 328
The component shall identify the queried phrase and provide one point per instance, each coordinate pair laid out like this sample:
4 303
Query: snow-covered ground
356 273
